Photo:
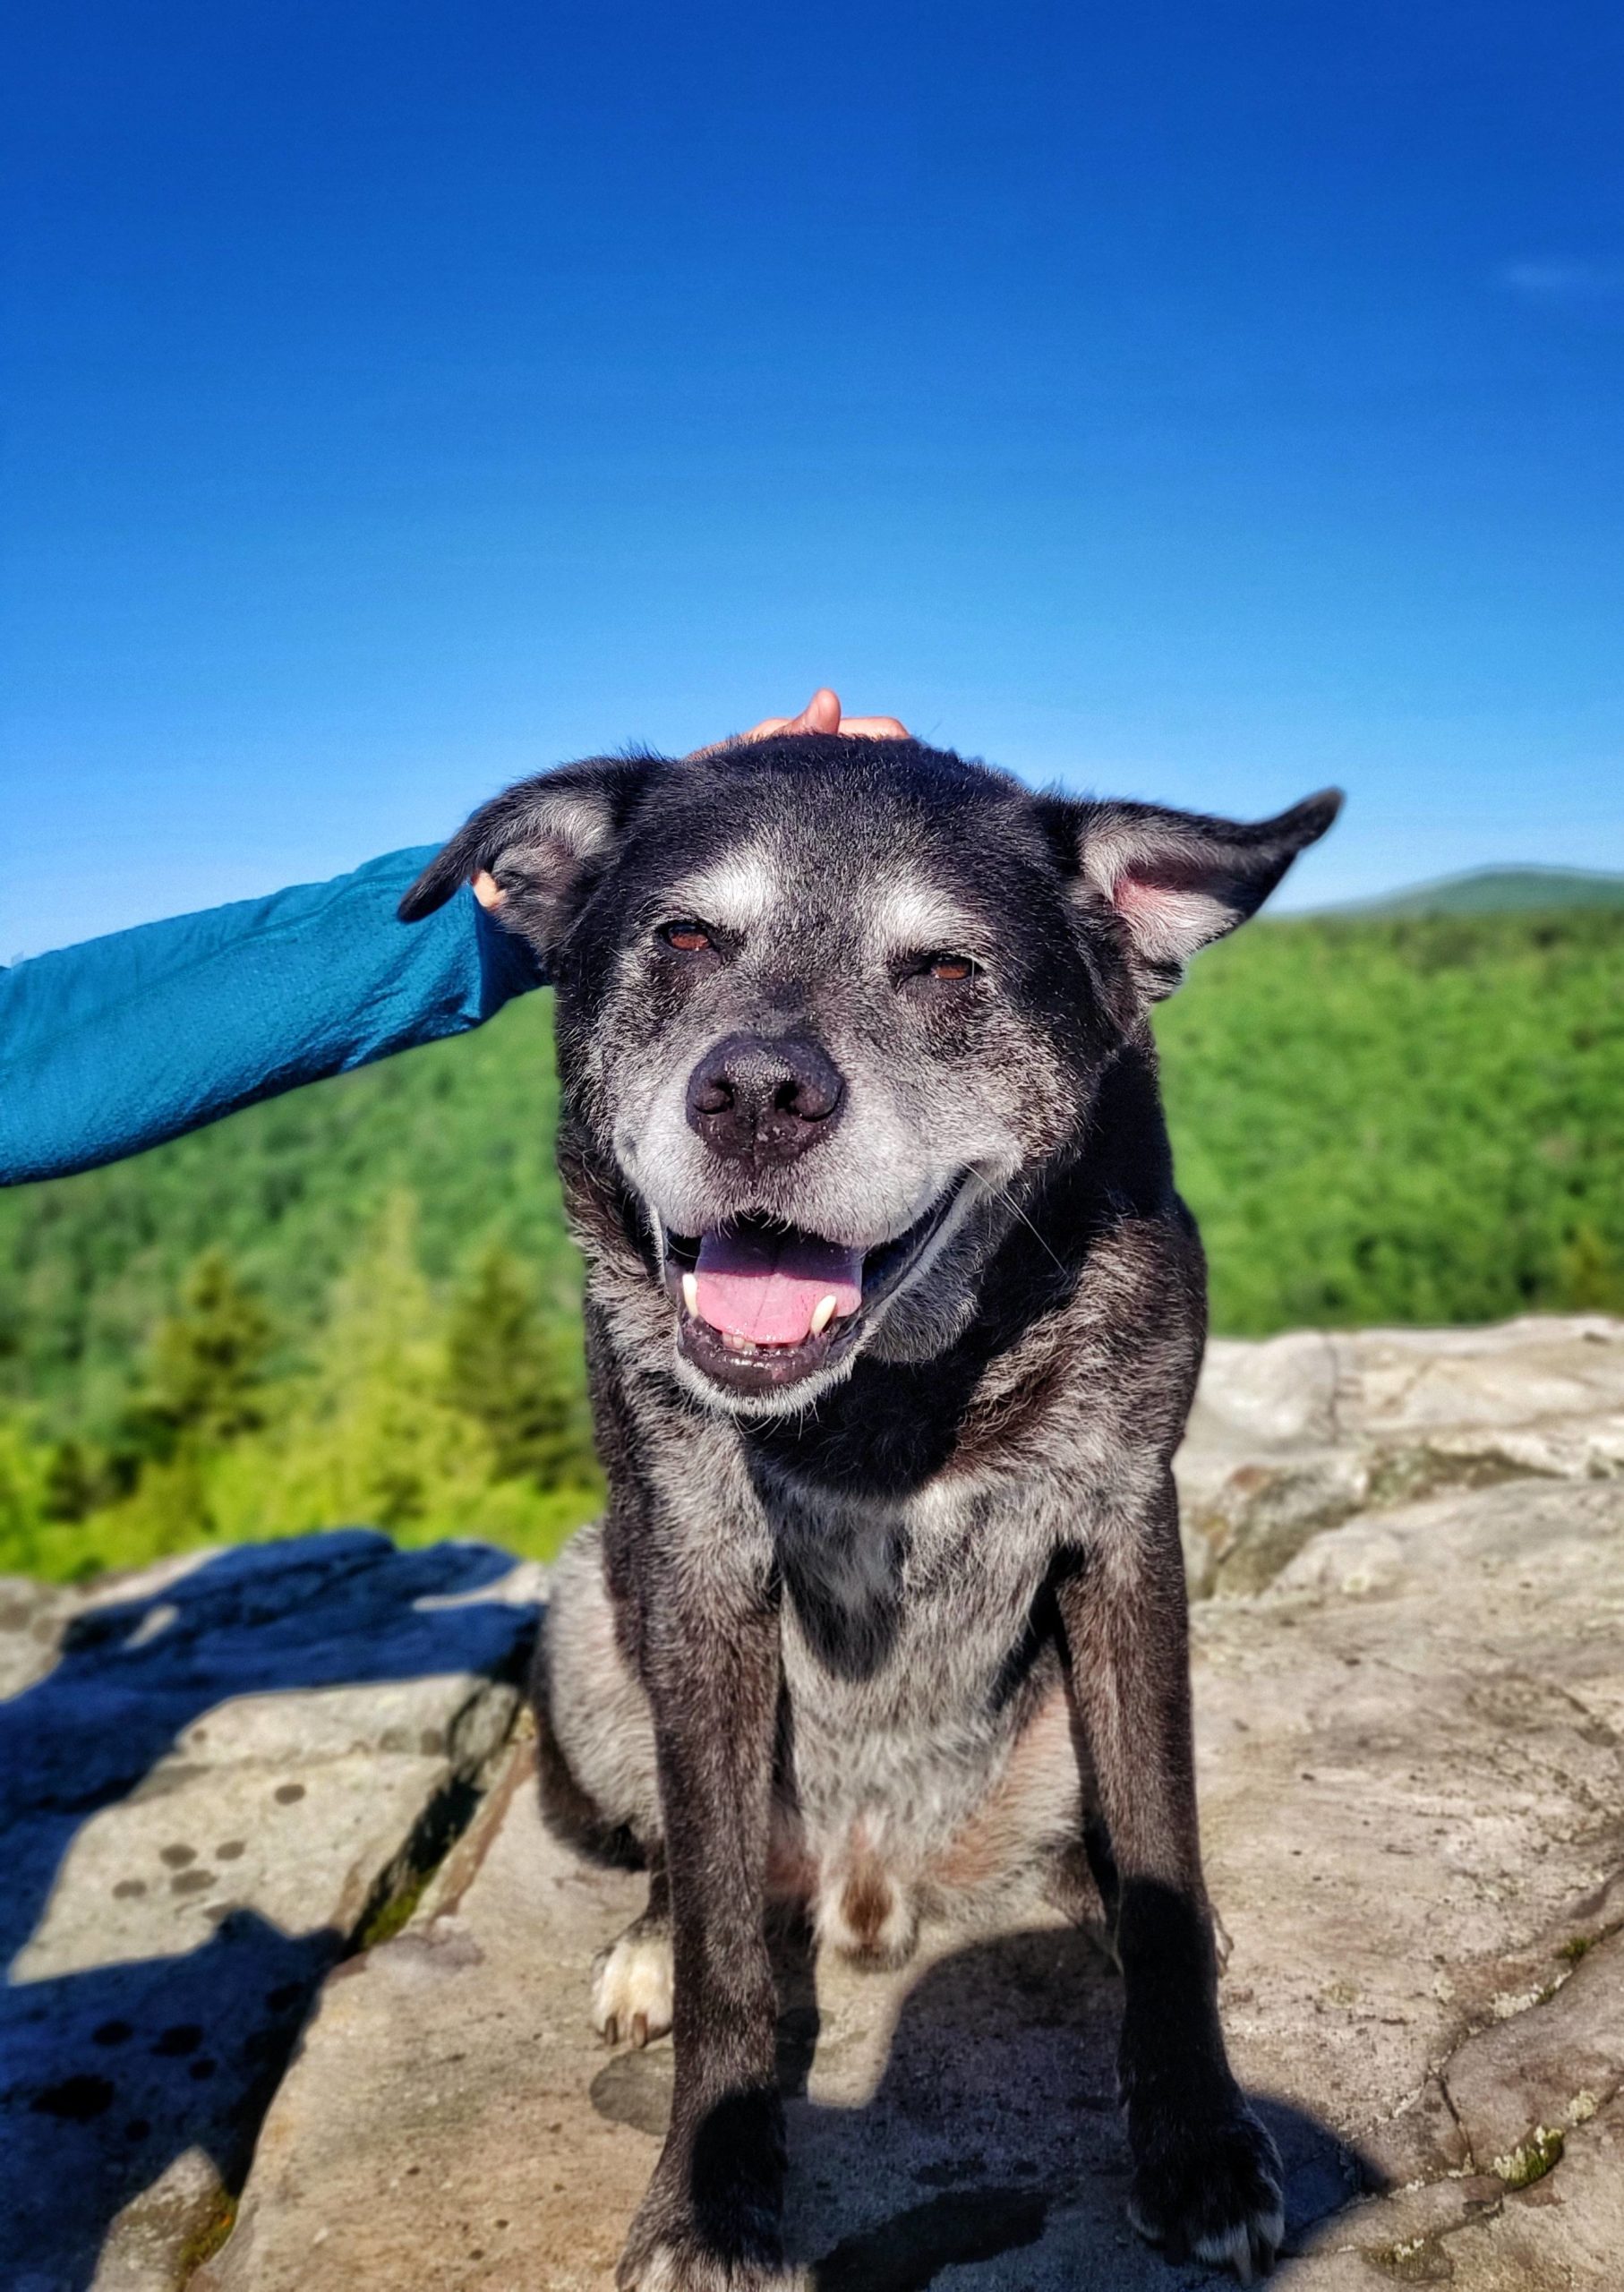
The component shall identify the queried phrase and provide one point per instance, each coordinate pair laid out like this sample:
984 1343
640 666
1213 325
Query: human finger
820 715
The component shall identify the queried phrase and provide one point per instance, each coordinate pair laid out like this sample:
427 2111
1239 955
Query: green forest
358 1304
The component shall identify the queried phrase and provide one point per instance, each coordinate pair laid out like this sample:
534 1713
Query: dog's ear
1173 881
543 840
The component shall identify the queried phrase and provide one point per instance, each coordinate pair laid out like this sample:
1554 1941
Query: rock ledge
222 1785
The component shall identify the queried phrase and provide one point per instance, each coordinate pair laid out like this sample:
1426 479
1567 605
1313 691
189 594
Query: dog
893 1321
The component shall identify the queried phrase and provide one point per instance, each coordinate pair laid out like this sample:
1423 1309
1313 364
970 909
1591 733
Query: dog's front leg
711 1666
1206 2177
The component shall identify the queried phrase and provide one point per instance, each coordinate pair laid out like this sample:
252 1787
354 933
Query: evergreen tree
73 1486
207 1362
1591 1279
374 1439
21 1497
508 1373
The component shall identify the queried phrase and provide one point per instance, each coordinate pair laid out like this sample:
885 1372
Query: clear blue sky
1203 401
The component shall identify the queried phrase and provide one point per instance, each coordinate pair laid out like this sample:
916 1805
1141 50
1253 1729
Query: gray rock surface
1410 1695
1293 1435
1410 1753
212 1775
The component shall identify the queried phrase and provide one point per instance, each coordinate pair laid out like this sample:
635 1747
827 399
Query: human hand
821 714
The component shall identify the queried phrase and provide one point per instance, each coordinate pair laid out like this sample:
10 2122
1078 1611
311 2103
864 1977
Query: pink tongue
767 1286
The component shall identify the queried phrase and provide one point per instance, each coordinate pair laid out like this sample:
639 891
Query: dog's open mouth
762 1305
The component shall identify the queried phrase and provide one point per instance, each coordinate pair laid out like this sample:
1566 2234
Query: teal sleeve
113 1045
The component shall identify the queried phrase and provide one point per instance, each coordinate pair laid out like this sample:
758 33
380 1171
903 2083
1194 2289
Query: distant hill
1494 891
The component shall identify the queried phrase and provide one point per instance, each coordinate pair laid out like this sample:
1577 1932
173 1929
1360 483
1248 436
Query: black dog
894 1318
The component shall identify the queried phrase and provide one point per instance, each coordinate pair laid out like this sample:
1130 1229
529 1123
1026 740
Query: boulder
1292 1435
214 1776
1410 1756
282 1921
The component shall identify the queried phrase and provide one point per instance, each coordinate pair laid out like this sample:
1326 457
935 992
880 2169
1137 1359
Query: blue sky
1199 401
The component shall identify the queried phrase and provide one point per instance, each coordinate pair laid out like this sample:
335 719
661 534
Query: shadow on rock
993 2144
116 2074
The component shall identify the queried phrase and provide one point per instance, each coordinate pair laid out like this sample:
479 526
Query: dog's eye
920 977
688 938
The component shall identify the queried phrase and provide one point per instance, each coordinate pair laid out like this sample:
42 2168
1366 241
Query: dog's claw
631 1997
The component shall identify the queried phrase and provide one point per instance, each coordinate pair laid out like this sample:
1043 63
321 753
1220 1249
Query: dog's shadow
992 2146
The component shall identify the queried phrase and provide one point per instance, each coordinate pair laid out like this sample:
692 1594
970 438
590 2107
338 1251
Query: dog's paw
668 2258
1207 2186
711 2220
631 1987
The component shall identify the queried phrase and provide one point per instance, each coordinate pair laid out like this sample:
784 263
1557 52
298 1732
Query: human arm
116 1045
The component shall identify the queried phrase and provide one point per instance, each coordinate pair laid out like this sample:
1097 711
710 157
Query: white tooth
822 1315
691 1294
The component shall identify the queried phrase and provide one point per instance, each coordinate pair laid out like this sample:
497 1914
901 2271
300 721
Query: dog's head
833 1006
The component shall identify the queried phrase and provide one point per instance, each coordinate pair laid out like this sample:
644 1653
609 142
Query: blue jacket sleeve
113 1045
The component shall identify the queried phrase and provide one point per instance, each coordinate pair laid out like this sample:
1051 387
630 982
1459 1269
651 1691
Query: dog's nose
751 1100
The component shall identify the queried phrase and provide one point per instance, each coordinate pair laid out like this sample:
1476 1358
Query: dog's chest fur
926 1754
915 1662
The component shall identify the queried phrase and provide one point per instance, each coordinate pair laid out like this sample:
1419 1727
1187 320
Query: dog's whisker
1010 1202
